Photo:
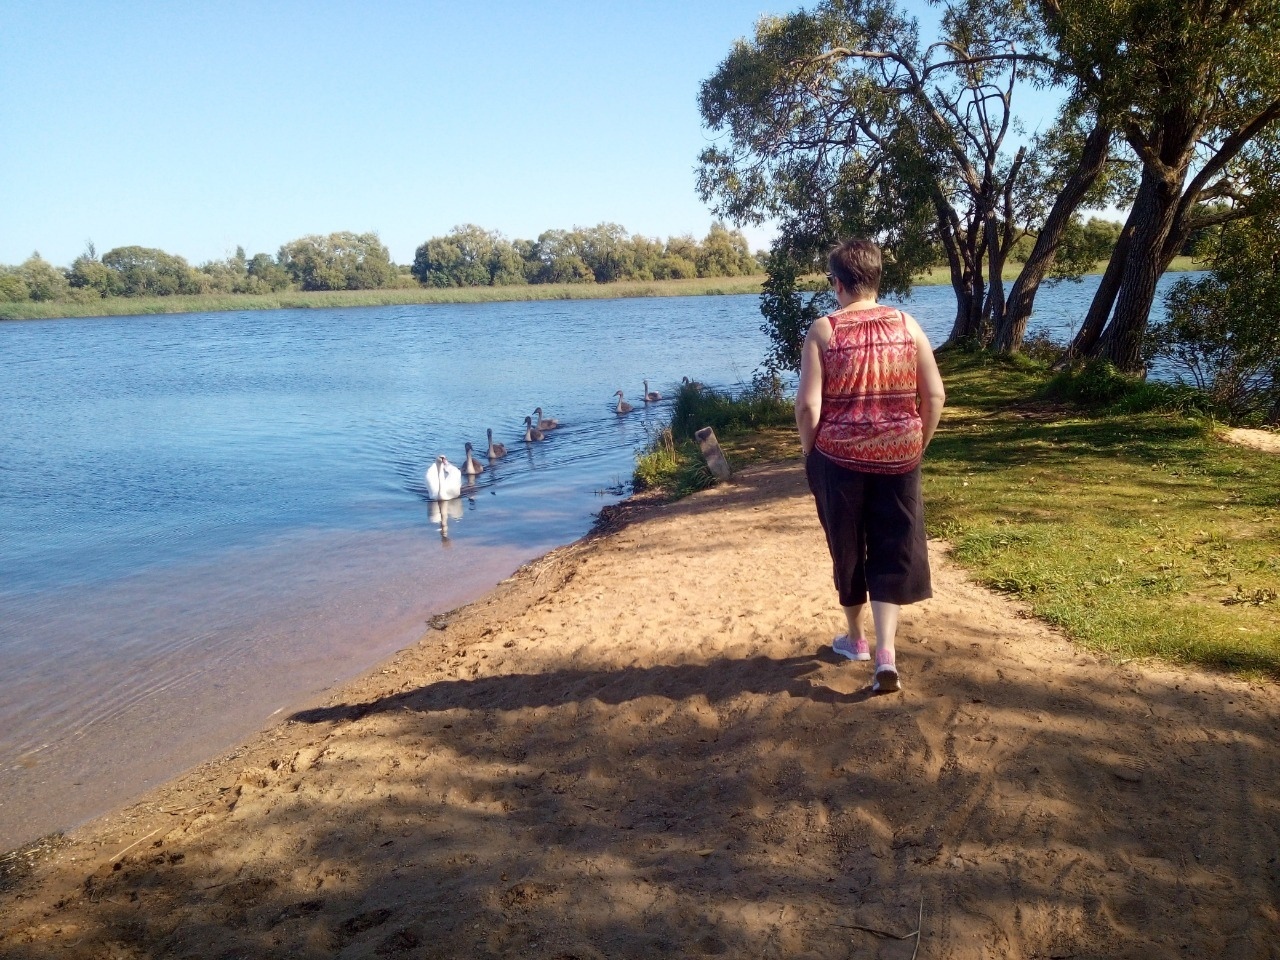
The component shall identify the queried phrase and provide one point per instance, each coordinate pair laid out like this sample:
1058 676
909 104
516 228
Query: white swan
650 395
532 433
444 480
623 406
496 450
544 423
471 467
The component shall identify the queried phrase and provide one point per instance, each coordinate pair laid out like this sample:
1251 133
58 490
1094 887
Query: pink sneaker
851 649
886 677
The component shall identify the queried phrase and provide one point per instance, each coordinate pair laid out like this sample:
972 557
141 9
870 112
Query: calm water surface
208 519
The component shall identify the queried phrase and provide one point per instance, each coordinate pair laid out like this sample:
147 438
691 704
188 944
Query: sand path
641 746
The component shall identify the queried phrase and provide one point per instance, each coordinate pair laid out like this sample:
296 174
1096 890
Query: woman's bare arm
809 393
928 381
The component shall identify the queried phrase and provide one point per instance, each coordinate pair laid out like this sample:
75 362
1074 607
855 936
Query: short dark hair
857 264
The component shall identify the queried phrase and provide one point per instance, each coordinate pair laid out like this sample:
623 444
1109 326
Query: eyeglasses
830 278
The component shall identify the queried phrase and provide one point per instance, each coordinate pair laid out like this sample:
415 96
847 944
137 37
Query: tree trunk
993 309
1103 299
968 314
966 281
1121 341
1013 325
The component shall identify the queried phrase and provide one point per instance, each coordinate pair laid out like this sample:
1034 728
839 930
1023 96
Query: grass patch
1113 510
754 424
217 303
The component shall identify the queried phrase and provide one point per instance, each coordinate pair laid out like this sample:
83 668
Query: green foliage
266 275
88 273
146 271
1040 348
658 464
1195 90
677 468
1224 330
402 293
556 257
43 280
761 403
1095 384
837 122
611 255
724 253
1100 387
339 261
1083 245
674 267
13 289
787 312
468 256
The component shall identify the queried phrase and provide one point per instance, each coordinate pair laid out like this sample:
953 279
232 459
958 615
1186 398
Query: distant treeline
468 256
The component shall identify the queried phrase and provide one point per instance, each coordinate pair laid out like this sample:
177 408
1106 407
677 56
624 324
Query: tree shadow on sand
733 808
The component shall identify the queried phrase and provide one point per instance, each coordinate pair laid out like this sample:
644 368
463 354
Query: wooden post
712 453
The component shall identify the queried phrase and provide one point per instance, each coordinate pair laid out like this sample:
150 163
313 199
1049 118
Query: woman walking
868 403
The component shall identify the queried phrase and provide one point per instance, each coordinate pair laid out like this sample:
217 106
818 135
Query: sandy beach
641 745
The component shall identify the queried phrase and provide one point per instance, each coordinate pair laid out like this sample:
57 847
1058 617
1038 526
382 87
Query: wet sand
86 728
641 745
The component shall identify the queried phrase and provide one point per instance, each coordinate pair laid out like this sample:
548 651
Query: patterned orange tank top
870 414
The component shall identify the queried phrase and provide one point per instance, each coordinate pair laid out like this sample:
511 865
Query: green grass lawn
1140 534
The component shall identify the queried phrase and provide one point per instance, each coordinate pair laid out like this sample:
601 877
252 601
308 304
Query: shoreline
406 296
85 771
399 296
609 518
640 743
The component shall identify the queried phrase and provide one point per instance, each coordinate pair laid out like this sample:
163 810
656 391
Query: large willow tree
840 121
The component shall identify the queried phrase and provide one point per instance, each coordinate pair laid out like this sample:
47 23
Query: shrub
762 403
1230 348
1042 348
1224 330
673 459
1095 384
1098 385
657 466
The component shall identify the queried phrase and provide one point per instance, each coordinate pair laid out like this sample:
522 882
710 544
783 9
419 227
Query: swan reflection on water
442 511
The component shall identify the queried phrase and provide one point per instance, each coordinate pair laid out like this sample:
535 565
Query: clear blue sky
197 127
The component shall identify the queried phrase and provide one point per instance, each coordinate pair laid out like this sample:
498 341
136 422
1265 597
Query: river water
206 519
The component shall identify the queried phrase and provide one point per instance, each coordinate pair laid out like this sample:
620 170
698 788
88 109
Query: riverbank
641 745
298 299
318 299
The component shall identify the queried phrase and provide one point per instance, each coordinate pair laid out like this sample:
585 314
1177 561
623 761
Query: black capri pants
874 524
